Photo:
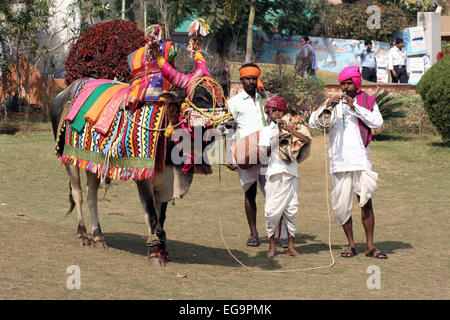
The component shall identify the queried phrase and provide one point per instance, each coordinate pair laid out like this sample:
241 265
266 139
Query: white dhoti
363 183
281 201
247 177
281 231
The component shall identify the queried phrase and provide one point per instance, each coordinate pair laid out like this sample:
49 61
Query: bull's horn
175 77
179 79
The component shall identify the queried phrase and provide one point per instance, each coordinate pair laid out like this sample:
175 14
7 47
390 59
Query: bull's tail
72 202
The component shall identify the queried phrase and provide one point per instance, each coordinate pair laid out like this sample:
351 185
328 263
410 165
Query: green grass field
38 244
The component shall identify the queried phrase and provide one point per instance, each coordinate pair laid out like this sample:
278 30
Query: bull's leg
146 197
75 183
155 244
161 208
92 199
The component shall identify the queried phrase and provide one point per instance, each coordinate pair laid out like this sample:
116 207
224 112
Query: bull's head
196 89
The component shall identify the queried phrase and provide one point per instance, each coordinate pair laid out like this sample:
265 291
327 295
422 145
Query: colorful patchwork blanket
105 139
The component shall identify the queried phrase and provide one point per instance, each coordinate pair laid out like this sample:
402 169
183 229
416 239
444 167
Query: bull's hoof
84 239
82 236
158 259
157 253
98 237
100 240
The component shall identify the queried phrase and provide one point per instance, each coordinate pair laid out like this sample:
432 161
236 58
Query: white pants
281 201
363 183
247 177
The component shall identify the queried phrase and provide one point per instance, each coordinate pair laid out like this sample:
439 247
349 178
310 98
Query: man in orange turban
247 108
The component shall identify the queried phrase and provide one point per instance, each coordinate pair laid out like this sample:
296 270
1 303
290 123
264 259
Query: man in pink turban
353 114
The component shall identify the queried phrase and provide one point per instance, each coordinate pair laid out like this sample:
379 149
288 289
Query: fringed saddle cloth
102 138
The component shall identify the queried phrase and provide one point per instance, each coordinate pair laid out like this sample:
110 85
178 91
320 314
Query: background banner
331 54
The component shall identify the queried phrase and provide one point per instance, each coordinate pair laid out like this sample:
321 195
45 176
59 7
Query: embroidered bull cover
125 150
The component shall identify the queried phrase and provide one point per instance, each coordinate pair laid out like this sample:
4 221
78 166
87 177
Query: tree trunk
251 19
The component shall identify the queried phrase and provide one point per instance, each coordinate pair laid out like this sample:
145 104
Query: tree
295 17
251 20
347 21
22 23
28 27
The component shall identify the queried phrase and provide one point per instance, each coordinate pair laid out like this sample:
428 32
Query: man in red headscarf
247 108
354 113
281 176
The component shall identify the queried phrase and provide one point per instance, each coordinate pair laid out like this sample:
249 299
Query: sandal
377 254
350 252
253 241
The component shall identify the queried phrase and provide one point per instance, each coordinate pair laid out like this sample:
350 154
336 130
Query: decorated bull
123 131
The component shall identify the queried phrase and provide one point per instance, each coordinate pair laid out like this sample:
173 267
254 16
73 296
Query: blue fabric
368 59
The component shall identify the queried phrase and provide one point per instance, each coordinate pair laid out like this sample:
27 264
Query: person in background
397 62
306 61
369 62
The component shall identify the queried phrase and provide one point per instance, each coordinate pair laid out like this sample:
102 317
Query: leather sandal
377 254
350 252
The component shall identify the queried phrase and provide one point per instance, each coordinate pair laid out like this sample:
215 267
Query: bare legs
368 221
290 251
250 208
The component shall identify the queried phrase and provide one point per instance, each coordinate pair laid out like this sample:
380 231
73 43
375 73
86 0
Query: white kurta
281 186
247 113
347 151
350 163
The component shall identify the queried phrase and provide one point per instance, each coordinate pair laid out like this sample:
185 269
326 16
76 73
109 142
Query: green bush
388 106
415 119
303 94
434 87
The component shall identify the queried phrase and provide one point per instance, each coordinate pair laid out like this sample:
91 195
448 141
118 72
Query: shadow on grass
442 144
388 247
191 253
389 137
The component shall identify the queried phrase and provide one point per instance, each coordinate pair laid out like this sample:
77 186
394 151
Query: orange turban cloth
251 71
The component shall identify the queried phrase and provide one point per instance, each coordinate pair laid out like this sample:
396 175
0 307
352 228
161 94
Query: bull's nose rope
292 270
211 83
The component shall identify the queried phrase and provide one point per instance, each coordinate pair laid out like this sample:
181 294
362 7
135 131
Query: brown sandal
377 254
350 252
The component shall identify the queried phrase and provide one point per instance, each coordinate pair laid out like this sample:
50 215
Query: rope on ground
329 226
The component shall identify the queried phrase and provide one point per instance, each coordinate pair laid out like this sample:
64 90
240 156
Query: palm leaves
389 108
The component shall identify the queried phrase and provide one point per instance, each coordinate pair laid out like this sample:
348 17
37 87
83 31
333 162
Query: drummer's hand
282 124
